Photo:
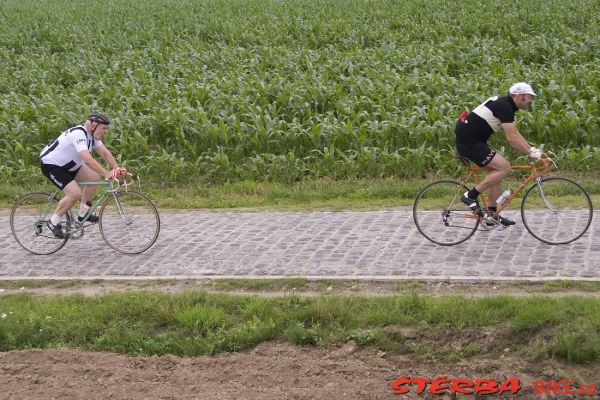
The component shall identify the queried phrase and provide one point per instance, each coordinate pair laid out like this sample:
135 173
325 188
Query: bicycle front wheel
129 222
28 220
556 210
440 215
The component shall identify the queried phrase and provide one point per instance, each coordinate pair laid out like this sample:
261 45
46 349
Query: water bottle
503 197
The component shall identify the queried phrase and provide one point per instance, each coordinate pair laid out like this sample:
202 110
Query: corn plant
280 90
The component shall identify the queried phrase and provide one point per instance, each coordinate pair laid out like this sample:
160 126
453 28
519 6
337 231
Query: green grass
558 286
409 286
194 323
361 194
306 195
284 284
26 283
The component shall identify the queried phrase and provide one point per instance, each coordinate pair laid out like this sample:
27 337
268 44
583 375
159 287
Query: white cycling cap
521 88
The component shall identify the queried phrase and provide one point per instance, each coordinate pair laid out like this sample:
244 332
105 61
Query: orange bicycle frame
537 171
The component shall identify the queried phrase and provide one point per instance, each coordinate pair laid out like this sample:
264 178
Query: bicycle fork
538 182
126 218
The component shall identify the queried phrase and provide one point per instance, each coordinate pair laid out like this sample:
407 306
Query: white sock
55 219
83 209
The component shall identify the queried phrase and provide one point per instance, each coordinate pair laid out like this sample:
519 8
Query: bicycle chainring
488 223
74 229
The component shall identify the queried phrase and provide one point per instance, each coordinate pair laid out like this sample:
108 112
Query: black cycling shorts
475 150
58 175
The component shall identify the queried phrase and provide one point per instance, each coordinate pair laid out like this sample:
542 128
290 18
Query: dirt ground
270 371
273 370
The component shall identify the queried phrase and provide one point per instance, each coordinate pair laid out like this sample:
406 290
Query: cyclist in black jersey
474 129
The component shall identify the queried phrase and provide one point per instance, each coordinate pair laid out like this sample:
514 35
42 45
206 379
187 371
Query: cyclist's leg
86 174
497 169
71 195
64 180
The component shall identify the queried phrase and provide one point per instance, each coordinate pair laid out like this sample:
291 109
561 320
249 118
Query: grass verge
196 322
302 196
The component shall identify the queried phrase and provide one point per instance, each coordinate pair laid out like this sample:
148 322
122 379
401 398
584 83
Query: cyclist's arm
91 162
514 138
108 157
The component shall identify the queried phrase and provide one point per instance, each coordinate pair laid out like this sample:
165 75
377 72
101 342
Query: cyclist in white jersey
68 160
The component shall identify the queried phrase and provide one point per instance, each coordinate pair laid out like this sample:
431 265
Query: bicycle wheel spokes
560 212
440 215
28 223
129 222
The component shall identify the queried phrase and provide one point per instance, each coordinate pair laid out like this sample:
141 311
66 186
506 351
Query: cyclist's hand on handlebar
116 173
535 153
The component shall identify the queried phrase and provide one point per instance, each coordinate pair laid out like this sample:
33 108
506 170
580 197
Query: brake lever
551 156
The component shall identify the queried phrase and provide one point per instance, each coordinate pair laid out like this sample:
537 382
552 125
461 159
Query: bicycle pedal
489 224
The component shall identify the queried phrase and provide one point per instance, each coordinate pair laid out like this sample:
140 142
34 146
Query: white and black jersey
64 151
473 131
487 118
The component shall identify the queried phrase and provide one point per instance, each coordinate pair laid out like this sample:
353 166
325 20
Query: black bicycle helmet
99 118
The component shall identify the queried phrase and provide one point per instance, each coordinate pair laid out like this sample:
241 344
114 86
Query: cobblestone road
371 245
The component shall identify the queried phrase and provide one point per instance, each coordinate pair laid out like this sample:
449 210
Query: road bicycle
128 220
554 209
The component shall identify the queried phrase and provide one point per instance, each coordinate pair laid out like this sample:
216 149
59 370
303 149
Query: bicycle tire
441 217
134 230
571 217
28 219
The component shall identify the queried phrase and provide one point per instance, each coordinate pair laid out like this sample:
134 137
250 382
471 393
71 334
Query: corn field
281 90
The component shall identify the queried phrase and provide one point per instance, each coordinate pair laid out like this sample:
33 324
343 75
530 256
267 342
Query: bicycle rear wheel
440 215
556 210
129 222
28 220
